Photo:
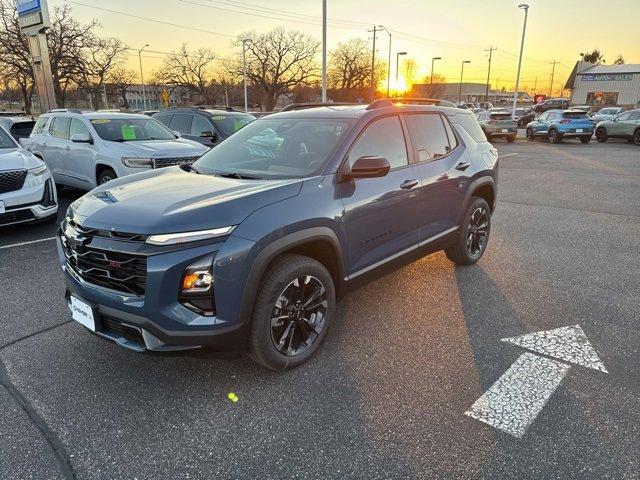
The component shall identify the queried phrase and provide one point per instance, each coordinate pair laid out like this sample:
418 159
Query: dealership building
604 84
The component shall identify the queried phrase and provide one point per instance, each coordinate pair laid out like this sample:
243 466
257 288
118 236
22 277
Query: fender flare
279 246
473 186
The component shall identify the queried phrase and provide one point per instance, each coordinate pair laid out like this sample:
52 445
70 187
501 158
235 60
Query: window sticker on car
128 132
100 121
219 117
238 124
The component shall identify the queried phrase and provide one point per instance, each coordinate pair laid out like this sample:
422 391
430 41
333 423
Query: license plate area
82 313
504 130
579 130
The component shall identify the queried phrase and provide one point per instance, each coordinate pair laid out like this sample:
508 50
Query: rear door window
181 122
382 138
60 127
428 135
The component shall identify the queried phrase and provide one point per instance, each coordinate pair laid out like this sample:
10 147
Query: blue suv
250 246
558 124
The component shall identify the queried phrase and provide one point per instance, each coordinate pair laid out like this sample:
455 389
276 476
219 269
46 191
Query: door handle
409 184
44 144
67 148
462 166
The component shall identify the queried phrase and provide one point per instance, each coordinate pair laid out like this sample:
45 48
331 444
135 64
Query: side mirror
176 133
81 138
209 134
368 167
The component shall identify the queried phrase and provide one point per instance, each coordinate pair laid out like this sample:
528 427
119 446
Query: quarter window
382 138
428 135
40 124
60 127
181 123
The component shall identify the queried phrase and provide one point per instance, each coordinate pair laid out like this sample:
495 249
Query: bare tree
277 61
192 70
409 71
122 78
594 57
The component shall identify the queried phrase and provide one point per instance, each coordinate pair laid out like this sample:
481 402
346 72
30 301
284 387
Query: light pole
144 93
433 60
244 73
389 73
398 63
525 7
324 51
461 74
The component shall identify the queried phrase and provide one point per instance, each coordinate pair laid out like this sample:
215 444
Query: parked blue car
558 124
251 246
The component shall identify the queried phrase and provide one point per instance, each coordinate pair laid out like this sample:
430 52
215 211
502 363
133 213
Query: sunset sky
455 30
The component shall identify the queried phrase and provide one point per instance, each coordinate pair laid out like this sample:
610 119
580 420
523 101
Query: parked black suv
551 104
208 127
251 246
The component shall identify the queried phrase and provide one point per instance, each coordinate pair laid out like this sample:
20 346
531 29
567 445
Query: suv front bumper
156 320
30 204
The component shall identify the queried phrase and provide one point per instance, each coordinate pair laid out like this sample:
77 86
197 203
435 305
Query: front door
80 158
381 213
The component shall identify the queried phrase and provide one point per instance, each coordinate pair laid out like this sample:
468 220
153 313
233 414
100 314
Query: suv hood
171 200
163 148
17 159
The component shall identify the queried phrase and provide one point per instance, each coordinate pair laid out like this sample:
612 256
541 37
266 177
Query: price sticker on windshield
128 132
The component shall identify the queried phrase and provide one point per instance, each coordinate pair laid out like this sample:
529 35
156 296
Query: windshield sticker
219 117
238 124
128 132
100 121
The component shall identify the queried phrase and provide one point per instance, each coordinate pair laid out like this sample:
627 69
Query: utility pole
324 51
244 73
486 93
535 85
553 71
389 74
144 93
461 74
373 63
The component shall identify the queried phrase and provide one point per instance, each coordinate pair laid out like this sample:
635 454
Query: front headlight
175 238
35 176
137 162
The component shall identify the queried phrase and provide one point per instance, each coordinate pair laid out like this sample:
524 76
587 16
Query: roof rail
383 102
390 102
64 110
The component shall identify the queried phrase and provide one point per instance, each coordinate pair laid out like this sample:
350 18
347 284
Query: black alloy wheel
601 135
554 136
477 232
299 315
106 176
530 135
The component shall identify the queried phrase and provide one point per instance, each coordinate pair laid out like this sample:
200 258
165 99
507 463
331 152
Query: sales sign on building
607 77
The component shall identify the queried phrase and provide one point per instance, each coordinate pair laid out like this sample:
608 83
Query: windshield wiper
237 175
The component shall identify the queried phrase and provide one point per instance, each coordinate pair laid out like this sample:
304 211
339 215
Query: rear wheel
601 135
530 135
106 176
473 235
636 137
585 139
295 306
554 136
511 138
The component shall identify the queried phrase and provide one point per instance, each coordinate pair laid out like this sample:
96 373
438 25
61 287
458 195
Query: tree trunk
123 94
26 99
269 101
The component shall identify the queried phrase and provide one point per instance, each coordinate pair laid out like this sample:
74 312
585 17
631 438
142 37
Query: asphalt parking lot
386 396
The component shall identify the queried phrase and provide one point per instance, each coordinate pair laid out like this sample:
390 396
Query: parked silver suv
84 150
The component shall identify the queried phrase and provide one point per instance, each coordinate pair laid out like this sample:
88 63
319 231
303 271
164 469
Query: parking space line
507 155
27 243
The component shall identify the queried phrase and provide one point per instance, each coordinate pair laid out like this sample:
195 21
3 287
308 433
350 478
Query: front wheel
636 137
530 135
511 138
554 136
601 135
585 139
472 237
106 176
295 306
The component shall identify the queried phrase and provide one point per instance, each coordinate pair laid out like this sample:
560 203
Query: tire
585 139
511 138
554 136
279 324
636 137
601 135
462 251
106 175
530 135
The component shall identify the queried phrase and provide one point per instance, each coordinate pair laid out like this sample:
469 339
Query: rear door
617 127
629 127
53 147
382 214
442 165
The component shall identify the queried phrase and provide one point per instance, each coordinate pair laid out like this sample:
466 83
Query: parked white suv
27 190
84 150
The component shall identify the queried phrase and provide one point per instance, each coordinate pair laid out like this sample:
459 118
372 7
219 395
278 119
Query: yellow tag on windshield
99 121
128 133
219 117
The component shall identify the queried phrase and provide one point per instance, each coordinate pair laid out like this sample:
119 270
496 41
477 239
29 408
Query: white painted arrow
514 401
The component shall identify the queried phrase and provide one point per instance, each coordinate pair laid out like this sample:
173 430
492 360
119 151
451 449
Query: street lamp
433 60
389 73
144 93
398 63
525 7
244 73
461 74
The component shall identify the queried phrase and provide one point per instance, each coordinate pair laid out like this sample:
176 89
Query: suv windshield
6 141
130 129
230 124
275 148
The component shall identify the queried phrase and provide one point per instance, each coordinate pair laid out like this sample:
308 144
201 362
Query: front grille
12 180
168 162
16 216
96 232
115 270
116 327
